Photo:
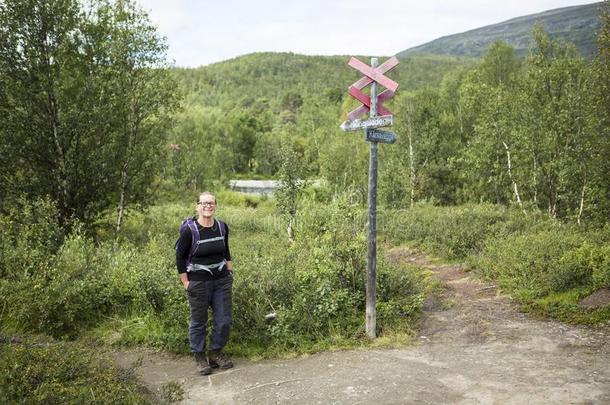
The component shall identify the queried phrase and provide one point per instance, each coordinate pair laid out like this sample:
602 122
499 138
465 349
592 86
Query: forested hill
577 24
271 75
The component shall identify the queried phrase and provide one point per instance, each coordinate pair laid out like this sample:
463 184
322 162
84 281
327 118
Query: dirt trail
473 347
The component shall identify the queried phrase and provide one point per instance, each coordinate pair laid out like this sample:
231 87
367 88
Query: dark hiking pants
215 294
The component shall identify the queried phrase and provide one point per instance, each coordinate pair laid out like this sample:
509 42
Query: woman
204 264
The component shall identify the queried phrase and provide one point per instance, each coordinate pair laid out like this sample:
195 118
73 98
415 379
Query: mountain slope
272 75
577 24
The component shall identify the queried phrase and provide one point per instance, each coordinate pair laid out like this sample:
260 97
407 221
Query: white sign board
375 122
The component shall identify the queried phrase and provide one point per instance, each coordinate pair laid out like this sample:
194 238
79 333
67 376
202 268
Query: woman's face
206 206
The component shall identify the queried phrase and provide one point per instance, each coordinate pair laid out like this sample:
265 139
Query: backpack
191 223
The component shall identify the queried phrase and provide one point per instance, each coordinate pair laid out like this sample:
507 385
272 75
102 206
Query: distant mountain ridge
577 24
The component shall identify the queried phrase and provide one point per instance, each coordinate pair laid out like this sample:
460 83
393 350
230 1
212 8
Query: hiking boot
217 358
203 367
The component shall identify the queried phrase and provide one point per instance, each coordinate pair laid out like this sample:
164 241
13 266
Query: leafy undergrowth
126 291
565 307
35 369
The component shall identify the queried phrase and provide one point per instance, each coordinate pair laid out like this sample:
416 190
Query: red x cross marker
372 74
381 69
366 100
365 108
375 74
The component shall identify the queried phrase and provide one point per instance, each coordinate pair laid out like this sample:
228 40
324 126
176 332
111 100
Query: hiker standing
204 264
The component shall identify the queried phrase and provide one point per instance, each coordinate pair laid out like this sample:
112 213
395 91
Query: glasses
206 203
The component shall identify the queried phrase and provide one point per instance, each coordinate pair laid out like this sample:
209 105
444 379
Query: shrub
587 265
540 262
453 232
30 234
64 297
35 370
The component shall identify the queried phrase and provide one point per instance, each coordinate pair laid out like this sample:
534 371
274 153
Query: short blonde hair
206 193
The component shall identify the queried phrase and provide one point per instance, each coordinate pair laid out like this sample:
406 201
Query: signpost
373 104
374 122
377 135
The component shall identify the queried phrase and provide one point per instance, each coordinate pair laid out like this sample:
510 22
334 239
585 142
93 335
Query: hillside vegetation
271 75
578 25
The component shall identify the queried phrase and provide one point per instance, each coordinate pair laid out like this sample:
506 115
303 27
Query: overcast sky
201 32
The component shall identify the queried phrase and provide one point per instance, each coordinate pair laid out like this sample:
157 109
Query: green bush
588 265
453 232
535 264
30 234
529 263
61 298
547 265
35 370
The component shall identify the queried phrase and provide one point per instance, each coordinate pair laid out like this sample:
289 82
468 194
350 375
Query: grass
37 369
564 307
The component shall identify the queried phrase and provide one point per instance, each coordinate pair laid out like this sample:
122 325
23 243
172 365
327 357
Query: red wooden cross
377 75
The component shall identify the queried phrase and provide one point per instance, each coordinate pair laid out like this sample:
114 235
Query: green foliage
172 392
454 232
551 270
30 235
528 263
279 100
565 307
546 265
291 176
80 81
588 265
35 370
126 290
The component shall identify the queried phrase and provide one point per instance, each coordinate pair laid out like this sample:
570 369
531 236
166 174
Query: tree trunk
121 207
411 154
290 231
62 174
582 196
510 176
132 139
552 209
535 182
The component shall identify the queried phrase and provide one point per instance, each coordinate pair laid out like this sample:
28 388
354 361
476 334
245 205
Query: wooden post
371 283
373 75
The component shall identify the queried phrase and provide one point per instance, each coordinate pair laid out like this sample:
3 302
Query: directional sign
379 116
377 135
375 122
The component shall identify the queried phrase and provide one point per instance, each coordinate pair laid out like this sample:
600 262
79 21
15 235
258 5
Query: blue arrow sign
377 135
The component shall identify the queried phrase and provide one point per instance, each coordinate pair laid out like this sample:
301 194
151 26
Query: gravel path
473 347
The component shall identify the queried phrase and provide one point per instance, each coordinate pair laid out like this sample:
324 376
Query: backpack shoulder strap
223 230
222 226
192 225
